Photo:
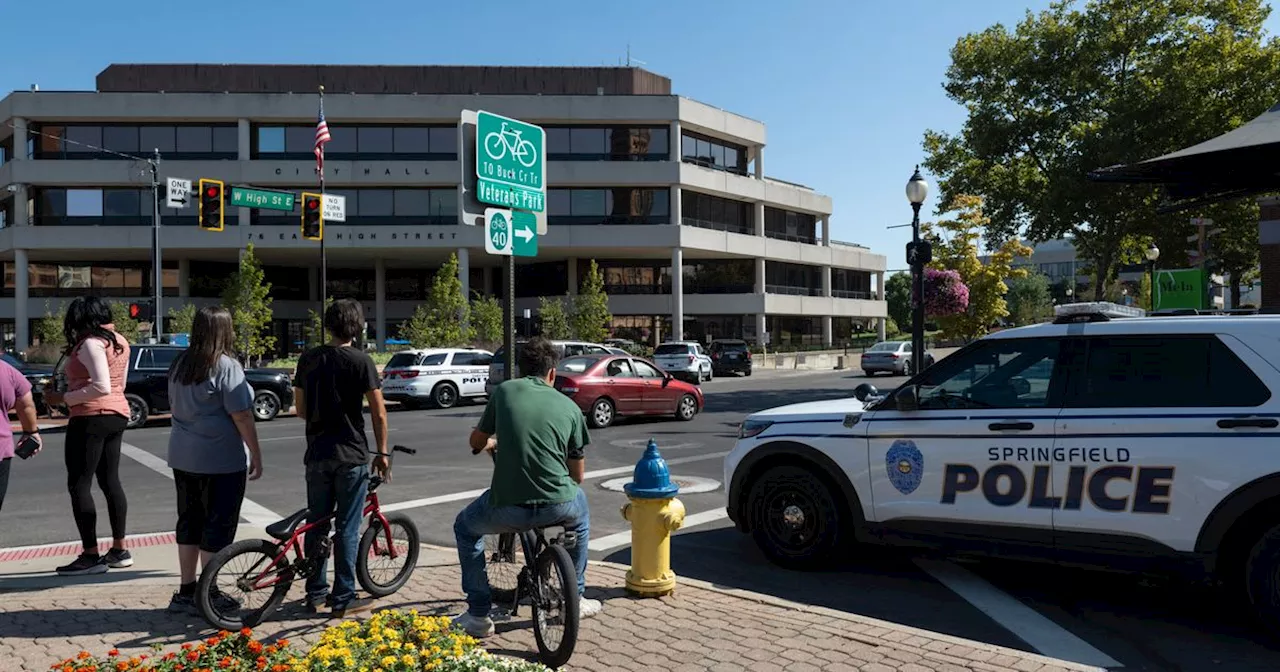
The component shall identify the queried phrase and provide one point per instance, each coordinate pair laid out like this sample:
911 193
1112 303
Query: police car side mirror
865 391
905 398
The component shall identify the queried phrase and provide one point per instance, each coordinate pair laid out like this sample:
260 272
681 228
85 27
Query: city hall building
668 195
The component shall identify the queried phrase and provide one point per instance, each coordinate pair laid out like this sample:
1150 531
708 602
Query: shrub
390 640
225 651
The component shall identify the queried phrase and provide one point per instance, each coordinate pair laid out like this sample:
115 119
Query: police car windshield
401 360
672 349
1000 374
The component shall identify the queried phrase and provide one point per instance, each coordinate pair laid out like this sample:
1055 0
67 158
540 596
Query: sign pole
157 320
509 337
324 262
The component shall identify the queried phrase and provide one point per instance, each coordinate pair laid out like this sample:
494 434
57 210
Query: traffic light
312 216
211 195
140 311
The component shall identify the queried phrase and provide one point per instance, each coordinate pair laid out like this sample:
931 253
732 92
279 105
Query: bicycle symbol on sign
499 231
498 143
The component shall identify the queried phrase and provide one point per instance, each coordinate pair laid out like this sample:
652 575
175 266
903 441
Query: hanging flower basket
944 293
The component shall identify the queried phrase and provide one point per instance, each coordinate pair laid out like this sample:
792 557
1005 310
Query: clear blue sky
846 87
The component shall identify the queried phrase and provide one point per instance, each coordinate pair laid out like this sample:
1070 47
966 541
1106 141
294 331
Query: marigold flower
193 656
255 647
113 653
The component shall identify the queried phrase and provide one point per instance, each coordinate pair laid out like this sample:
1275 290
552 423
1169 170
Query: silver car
892 357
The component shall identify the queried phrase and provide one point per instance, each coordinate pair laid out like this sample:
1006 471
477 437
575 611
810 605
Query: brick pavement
699 628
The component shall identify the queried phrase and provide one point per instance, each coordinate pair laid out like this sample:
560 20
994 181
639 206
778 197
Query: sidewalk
44 618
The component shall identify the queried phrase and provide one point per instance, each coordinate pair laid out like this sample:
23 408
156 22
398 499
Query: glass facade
712 212
714 154
71 279
622 205
378 207
794 279
360 142
176 142
102 207
608 143
794 226
794 330
850 284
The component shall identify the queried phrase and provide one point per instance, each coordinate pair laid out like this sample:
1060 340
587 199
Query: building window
714 154
550 278
624 205
104 207
351 283
379 207
630 276
712 212
608 143
365 142
850 284
707 328
794 331
719 276
74 279
180 142
786 225
793 279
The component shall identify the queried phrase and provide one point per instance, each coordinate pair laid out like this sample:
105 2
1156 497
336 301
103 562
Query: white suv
1147 444
440 376
684 359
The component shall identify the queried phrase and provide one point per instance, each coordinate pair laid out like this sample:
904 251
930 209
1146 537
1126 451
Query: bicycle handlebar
375 481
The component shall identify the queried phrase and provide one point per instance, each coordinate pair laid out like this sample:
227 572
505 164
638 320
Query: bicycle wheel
526 154
502 566
494 146
555 606
240 575
379 573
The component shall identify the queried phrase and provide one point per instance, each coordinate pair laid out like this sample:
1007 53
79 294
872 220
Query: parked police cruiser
1146 444
440 376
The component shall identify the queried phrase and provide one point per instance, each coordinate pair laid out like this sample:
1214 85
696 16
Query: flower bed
389 641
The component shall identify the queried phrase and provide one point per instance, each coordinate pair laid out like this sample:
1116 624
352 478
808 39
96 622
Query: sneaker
118 558
183 604
223 602
355 606
588 607
476 626
84 565
312 605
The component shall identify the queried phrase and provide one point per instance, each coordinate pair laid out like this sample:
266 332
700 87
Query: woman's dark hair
212 336
537 357
345 319
85 319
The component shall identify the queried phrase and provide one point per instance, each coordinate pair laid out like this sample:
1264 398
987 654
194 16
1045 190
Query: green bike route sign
265 199
511 167
510 233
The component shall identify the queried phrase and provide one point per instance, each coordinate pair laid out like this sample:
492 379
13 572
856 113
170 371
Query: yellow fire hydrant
654 513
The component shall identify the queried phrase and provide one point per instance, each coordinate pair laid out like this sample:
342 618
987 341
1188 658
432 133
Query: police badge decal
905 466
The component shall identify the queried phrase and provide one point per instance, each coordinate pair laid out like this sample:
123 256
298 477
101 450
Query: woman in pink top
97 359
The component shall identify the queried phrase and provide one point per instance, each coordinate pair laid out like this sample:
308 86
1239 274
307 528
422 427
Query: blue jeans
342 487
480 519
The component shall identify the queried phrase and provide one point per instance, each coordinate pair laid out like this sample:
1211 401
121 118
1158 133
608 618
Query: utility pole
157 320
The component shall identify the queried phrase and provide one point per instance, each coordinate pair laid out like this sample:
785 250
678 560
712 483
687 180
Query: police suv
1104 438
440 376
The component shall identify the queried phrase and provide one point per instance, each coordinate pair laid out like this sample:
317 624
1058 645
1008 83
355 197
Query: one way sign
179 193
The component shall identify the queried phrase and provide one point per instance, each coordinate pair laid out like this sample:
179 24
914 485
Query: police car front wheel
1262 579
445 395
795 518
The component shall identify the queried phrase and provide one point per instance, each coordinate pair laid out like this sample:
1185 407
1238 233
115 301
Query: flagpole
324 266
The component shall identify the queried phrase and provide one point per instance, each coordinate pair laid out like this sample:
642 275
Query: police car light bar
1098 310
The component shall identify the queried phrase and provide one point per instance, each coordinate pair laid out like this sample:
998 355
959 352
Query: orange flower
255 647
247 632
213 641
262 664
193 656
186 646
169 656
122 666
113 653
225 662
283 643
82 655
279 668
68 668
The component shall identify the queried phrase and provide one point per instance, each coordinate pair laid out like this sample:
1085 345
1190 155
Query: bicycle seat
283 529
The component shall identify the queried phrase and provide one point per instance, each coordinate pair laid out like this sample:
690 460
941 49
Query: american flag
322 136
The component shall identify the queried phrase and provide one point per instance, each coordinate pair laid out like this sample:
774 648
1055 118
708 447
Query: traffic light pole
157 319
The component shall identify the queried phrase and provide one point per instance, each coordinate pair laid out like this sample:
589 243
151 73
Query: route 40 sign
510 233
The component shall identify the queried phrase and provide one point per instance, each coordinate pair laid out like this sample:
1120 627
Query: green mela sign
1179 288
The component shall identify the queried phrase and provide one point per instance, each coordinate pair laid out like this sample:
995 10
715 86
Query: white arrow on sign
178 194
526 234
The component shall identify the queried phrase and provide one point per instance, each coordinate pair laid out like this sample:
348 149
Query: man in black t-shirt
332 382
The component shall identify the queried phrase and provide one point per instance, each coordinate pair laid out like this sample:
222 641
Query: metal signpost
504 165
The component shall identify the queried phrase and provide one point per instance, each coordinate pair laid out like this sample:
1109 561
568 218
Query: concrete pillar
573 276
759 217
464 271
760 328
879 295
313 284
881 331
677 294
21 294
21 217
759 162
487 287
244 145
677 143
826 281
676 208
19 139
760 275
380 302
826 230
184 279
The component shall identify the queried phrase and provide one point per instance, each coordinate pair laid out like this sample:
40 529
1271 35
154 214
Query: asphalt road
1093 616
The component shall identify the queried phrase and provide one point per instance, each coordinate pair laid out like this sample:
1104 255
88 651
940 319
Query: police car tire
823 503
1262 580
444 400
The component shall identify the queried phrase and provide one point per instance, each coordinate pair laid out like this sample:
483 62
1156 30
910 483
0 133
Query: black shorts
208 508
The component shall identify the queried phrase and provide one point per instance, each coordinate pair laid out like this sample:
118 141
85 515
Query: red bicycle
253 568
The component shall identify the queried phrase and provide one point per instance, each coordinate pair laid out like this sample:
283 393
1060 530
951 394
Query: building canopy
1235 164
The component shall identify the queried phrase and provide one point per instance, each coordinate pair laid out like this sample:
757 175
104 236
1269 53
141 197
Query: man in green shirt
536 477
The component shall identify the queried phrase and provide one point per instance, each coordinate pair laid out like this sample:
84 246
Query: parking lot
1111 620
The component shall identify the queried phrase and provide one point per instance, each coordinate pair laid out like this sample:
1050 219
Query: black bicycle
547 581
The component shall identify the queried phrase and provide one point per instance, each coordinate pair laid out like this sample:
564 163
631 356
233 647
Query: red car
607 386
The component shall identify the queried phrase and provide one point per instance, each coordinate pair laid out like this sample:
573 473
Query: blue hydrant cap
651 479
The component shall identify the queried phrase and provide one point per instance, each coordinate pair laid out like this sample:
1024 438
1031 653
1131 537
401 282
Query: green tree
125 326
48 329
313 333
180 319
443 320
1029 299
248 297
555 321
897 293
955 247
486 320
1078 87
591 318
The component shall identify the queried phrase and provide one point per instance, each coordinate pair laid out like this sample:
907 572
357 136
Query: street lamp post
1153 253
917 191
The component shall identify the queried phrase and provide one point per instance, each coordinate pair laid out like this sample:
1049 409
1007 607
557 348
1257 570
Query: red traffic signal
312 217
140 311
211 201
212 192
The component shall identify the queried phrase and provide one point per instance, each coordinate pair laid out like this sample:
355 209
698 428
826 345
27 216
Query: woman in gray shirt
212 424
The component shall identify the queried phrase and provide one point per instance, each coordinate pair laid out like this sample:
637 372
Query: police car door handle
997 426
1232 423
